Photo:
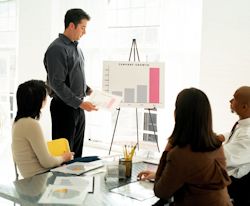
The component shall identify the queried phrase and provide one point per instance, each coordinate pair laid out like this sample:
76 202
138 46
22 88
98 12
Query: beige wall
225 55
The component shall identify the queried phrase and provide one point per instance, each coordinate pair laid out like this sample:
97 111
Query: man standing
64 63
237 148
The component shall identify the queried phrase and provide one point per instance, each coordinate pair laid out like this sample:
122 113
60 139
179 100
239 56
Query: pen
124 152
132 152
126 156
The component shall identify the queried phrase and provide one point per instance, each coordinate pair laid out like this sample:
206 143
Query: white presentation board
140 84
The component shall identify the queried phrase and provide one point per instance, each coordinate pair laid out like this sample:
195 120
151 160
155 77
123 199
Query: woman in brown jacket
192 167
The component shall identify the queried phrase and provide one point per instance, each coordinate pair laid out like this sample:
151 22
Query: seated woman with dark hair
192 168
29 147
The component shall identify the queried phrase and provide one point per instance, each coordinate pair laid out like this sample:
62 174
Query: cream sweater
29 148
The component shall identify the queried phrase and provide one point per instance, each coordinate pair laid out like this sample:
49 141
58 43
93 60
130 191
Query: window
7 62
133 19
7 15
150 126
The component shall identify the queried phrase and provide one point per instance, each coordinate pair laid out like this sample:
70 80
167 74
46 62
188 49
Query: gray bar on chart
118 93
129 95
142 93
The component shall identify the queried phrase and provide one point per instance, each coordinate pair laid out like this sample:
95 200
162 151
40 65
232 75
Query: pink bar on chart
154 85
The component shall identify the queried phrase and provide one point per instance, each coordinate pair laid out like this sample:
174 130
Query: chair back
58 147
16 170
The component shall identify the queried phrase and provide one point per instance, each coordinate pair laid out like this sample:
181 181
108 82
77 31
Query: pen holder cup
125 168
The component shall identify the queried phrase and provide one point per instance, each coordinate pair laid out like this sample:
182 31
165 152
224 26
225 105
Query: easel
134 49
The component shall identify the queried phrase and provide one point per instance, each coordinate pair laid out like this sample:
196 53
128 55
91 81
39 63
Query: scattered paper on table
140 190
60 194
78 168
84 182
104 100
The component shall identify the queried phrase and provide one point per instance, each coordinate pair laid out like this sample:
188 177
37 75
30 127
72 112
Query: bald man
237 148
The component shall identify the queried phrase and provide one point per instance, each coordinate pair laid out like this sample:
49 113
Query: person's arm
220 137
88 106
88 91
169 146
56 63
163 159
162 164
39 146
169 176
150 175
237 150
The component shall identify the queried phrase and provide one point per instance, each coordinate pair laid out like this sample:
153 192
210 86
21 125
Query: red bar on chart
154 85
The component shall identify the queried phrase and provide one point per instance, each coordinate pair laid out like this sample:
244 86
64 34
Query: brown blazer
193 178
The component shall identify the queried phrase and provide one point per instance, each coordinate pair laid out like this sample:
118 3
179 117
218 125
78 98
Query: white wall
180 50
225 49
225 55
34 35
34 20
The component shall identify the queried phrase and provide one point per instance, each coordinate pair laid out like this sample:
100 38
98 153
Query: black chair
239 190
164 202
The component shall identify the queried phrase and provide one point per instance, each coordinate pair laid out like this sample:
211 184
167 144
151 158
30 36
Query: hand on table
67 156
146 175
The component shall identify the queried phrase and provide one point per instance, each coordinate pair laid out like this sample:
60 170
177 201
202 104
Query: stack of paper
59 194
85 182
67 190
78 168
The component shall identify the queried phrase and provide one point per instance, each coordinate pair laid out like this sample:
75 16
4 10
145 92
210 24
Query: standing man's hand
88 106
89 91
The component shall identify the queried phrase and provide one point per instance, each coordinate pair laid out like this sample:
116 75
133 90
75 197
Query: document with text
104 100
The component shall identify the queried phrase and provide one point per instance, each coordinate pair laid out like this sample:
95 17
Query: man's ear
71 26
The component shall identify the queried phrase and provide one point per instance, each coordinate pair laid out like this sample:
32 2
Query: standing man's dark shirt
64 63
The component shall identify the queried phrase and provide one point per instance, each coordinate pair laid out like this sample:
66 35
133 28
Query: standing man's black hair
75 16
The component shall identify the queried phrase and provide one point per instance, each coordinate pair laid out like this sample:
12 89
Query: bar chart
140 84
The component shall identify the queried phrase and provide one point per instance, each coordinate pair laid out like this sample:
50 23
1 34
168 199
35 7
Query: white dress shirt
237 149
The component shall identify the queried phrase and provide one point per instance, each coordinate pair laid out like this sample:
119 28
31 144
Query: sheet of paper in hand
104 100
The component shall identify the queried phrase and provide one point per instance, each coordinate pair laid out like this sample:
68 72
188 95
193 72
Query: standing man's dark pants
239 190
68 123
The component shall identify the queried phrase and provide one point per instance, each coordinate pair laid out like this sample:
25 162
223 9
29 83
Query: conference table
28 191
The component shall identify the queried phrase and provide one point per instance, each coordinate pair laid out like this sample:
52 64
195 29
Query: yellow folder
58 146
